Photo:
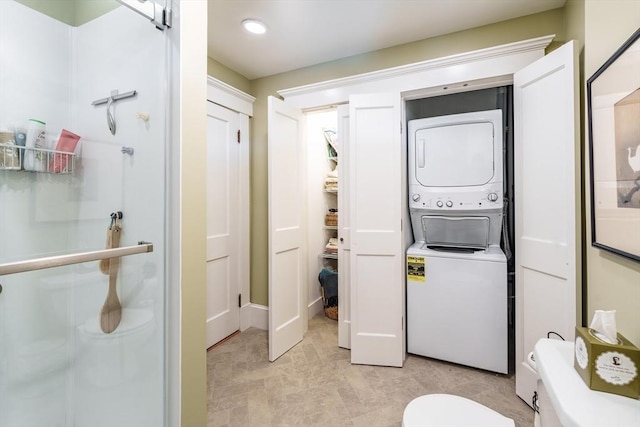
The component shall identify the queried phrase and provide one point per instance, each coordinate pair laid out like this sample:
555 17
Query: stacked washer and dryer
457 300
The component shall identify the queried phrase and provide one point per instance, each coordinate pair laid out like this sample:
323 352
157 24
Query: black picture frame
613 114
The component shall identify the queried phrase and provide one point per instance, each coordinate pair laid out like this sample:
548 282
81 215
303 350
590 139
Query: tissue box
612 368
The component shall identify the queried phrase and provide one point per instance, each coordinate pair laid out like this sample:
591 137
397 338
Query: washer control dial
449 203
415 197
439 203
492 197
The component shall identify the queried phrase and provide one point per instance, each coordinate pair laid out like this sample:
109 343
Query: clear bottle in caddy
34 159
20 137
9 155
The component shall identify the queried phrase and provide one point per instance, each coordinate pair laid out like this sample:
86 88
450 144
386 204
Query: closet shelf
328 255
17 158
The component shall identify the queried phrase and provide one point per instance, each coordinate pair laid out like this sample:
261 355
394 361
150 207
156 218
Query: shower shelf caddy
12 157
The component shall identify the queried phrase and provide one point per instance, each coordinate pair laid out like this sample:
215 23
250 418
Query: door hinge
239 300
238 136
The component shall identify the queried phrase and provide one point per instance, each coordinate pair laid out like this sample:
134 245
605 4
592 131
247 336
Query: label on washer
415 268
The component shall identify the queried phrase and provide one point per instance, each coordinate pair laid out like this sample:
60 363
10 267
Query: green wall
72 12
228 76
527 27
613 283
193 210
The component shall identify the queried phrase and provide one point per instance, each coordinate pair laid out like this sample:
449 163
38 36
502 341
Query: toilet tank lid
576 404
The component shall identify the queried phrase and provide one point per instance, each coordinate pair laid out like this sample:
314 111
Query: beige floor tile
314 384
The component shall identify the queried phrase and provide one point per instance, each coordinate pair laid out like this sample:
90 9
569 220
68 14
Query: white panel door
344 245
377 251
547 203
287 227
223 206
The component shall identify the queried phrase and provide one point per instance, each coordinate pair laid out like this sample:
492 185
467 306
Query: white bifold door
344 231
287 227
547 203
377 248
371 250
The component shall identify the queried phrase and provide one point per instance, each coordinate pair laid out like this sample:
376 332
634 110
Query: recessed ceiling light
254 26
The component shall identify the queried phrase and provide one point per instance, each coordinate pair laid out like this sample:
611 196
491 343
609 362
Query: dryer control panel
490 198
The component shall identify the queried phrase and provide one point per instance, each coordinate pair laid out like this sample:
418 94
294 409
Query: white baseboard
315 307
259 316
245 316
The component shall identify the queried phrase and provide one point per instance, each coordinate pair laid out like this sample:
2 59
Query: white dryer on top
456 179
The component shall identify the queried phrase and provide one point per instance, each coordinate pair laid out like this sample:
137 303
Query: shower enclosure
65 360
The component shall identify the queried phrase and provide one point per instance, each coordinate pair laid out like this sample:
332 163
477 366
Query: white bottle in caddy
34 159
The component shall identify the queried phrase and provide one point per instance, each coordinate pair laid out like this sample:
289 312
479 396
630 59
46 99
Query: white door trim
229 97
475 66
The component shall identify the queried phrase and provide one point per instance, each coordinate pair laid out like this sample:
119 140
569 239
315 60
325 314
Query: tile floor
314 384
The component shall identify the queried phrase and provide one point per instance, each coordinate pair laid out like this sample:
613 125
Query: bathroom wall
53 356
613 282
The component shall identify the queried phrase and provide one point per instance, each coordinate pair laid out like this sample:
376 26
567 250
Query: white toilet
442 410
564 400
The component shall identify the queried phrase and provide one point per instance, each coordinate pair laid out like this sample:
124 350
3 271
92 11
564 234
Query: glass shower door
61 362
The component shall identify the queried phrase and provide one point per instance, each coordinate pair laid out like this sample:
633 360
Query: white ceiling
308 32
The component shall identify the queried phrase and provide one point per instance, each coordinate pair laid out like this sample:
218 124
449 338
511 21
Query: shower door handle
77 258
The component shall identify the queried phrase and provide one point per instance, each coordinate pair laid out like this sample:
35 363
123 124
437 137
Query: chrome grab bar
59 261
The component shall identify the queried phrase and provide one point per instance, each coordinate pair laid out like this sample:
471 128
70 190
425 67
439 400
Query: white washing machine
457 297
457 306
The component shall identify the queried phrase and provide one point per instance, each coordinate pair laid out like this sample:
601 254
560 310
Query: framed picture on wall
613 102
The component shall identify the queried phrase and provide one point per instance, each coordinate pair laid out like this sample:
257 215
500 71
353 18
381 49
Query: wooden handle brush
111 312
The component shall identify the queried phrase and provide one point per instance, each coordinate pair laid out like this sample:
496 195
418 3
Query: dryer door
455 155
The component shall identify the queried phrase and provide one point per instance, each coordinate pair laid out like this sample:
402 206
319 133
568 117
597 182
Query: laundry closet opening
328 259
323 157
475 101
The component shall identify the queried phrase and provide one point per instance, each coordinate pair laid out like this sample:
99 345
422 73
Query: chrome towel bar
78 258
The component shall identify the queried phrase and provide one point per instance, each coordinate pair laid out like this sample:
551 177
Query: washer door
456 231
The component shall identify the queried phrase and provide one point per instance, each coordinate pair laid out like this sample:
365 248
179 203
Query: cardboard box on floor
612 368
